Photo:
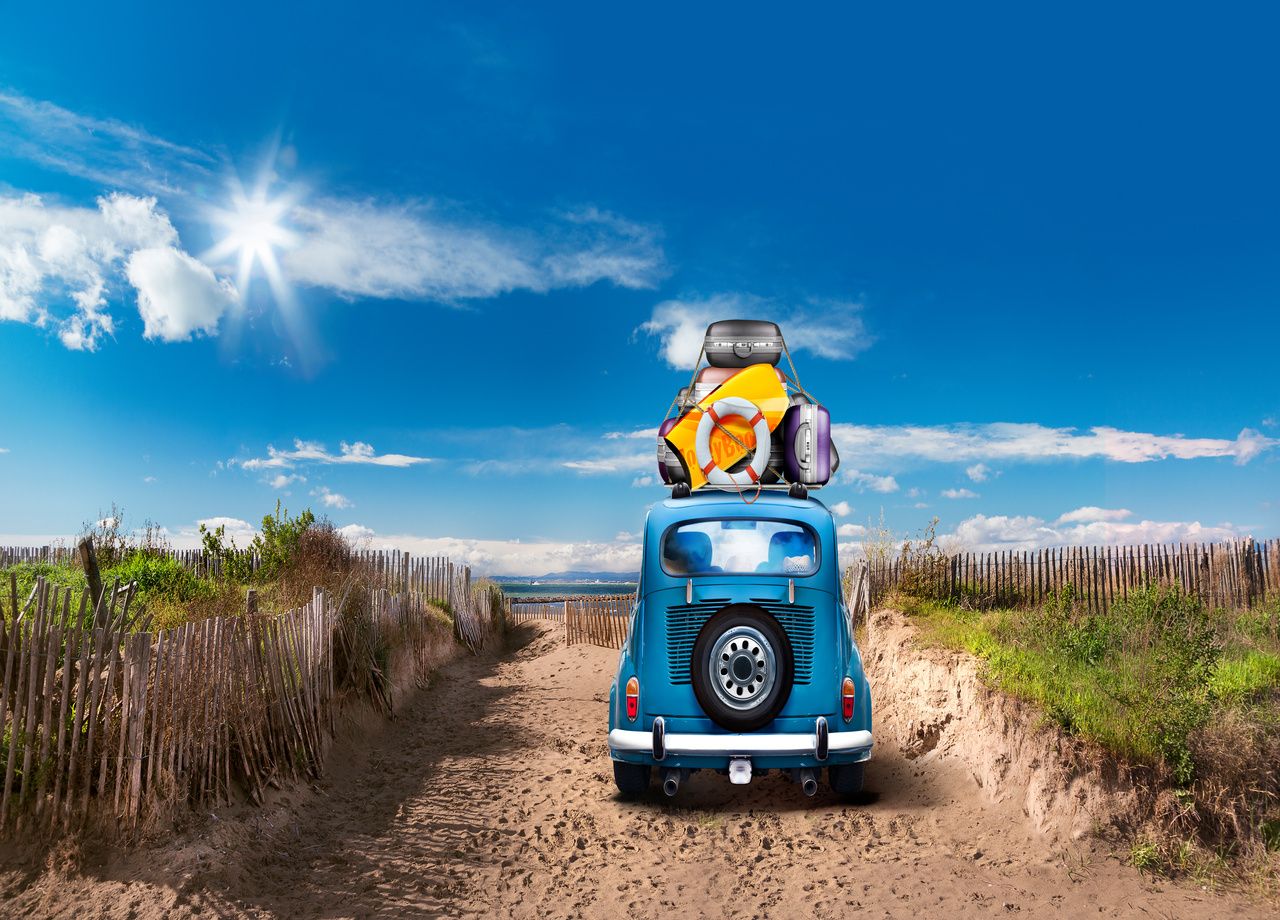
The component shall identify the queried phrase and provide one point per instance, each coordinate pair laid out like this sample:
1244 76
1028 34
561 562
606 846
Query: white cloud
1091 513
622 463
284 480
356 452
178 296
56 270
58 264
604 247
551 450
236 529
4 450
841 509
958 493
864 482
978 472
1029 441
415 252
148 479
357 534
331 499
37 539
850 552
102 150
981 533
851 530
615 452
829 329
510 557
642 482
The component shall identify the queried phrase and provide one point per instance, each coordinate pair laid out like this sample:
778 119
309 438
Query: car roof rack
795 490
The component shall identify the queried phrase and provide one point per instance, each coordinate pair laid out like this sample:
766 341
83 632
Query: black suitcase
670 467
743 342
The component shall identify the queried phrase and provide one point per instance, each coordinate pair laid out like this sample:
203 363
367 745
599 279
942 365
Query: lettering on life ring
724 408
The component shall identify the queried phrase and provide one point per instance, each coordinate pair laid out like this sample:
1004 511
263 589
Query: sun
254 232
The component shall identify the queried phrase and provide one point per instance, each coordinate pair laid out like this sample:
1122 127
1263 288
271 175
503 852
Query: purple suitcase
806 444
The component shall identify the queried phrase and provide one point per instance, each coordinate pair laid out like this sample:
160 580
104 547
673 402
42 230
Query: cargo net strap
794 380
715 420
795 377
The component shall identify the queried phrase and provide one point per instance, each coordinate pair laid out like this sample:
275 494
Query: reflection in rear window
739 546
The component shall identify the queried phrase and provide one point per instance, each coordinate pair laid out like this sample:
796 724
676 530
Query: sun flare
254 232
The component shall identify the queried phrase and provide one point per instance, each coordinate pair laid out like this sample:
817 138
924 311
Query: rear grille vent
685 621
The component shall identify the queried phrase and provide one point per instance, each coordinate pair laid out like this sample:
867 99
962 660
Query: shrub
924 565
279 541
320 556
160 577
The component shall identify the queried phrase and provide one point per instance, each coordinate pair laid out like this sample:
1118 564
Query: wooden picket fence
99 716
434 575
438 578
196 561
528 611
595 621
1229 575
599 621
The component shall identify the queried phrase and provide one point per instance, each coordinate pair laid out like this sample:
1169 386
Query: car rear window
740 546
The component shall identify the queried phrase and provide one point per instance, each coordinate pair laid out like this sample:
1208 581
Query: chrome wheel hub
742 667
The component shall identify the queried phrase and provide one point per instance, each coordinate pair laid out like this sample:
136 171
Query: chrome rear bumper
754 744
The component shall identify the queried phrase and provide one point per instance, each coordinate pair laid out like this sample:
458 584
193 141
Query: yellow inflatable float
758 386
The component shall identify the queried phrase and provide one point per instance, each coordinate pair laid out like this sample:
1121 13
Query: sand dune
491 795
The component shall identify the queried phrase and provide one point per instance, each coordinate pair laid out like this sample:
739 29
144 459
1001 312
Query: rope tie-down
711 418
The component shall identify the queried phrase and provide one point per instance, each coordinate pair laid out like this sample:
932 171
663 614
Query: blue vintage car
739 656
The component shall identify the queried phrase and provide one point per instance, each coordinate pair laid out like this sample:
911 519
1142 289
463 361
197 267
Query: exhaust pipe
671 782
808 782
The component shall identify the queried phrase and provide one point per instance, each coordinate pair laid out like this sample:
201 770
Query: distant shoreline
561 590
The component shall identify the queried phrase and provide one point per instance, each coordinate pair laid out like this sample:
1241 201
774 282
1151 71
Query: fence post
89 559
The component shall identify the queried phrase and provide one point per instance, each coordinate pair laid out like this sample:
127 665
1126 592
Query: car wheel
742 668
846 778
632 779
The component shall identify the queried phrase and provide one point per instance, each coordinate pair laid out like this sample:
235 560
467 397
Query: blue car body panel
668 615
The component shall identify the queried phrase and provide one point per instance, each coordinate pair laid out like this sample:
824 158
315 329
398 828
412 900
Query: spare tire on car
742 668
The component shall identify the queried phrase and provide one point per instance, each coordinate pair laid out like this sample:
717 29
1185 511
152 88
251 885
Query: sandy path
492 795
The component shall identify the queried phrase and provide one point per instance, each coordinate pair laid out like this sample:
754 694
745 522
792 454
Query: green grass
1144 680
62 574
1246 675
170 592
1156 680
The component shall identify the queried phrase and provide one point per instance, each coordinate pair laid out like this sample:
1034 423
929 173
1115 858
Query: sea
551 589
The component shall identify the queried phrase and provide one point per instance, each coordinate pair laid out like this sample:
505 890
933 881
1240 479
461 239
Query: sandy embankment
491 795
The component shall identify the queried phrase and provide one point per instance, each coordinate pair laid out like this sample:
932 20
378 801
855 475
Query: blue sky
428 269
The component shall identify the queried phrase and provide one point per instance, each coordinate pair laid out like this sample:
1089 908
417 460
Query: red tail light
846 699
633 699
